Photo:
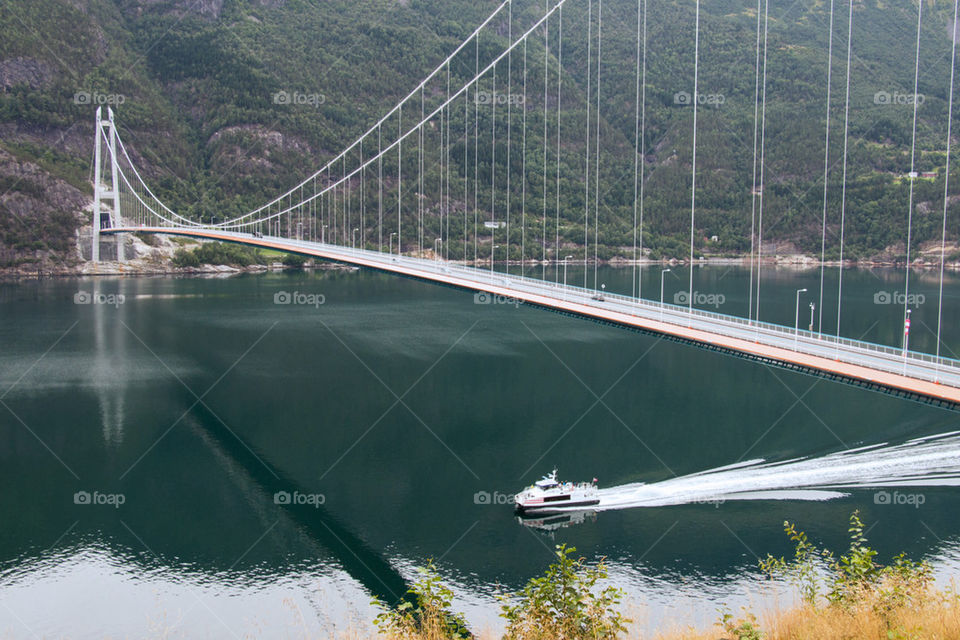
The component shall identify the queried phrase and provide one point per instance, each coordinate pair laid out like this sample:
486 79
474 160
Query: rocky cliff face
209 9
35 74
40 215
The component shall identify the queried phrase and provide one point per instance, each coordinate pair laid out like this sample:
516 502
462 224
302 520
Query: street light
796 319
436 251
493 250
906 340
323 234
391 243
812 307
661 292
353 239
565 258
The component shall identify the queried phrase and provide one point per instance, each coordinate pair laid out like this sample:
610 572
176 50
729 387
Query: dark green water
197 400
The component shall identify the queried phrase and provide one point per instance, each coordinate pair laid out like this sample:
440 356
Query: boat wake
927 461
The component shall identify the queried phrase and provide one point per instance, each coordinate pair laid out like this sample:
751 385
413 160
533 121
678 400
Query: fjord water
401 416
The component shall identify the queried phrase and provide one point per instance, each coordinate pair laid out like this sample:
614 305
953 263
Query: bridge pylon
104 194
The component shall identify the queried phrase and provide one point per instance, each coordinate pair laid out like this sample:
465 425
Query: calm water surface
148 448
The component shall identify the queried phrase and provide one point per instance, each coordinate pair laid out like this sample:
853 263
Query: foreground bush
858 599
426 616
853 579
563 603
850 596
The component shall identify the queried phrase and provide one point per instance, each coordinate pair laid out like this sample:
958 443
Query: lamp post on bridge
812 307
493 251
662 273
796 319
391 243
353 239
906 340
323 234
565 258
436 251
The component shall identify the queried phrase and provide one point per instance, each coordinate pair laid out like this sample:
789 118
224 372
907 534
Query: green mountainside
193 83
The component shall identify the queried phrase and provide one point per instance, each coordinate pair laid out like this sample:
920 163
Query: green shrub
229 254
184 258
430 618
743 629
854 576
217 253
148 239
565 603
294 261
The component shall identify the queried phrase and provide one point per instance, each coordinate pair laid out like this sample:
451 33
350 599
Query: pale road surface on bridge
918 373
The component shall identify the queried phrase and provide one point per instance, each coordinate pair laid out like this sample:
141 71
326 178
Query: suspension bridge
477 157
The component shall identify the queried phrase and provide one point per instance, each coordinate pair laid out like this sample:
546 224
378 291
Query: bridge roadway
918 376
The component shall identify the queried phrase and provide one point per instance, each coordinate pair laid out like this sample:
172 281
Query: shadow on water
263 482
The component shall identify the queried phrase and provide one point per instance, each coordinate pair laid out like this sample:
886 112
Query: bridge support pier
104 194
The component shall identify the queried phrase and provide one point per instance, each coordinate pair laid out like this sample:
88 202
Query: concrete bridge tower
103 193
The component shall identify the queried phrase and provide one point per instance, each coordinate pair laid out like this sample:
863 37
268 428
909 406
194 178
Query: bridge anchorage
440 189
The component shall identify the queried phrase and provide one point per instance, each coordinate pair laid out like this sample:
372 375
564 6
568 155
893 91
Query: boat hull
541 509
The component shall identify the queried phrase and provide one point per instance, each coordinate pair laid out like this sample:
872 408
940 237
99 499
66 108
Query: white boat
548 494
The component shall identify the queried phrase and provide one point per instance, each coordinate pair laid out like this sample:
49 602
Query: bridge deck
918 375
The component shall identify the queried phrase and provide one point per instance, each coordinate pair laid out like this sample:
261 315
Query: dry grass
932 615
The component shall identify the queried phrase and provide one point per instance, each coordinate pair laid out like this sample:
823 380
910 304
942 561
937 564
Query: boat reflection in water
553 522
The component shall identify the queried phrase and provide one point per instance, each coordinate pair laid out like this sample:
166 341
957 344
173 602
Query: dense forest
194 84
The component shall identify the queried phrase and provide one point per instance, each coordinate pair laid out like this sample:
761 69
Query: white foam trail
927 461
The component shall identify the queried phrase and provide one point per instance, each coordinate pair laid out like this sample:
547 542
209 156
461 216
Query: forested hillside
194 86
